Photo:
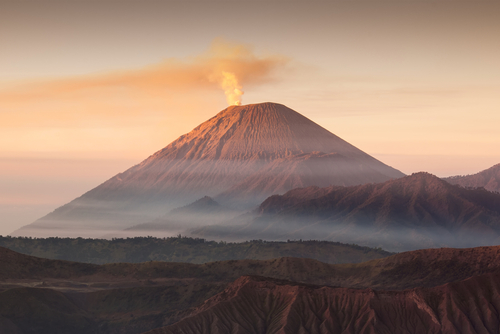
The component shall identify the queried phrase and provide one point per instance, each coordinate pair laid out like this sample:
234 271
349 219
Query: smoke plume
108 111
231 88
224 65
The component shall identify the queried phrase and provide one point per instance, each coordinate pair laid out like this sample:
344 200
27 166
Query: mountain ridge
416 211
488 179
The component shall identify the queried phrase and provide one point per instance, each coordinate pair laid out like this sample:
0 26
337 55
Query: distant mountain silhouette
488 179
205 204
239 157
417 211
205 211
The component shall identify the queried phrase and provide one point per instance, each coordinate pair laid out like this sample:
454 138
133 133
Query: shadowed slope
132 298
183 249
427 268
261 148
14 265
40 311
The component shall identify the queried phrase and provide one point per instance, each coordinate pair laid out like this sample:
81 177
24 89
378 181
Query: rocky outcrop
255 305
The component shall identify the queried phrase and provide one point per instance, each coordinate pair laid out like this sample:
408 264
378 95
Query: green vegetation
184 249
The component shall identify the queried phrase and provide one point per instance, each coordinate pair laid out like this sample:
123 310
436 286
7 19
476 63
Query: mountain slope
263 148
254 305
418 211
19 266
488 179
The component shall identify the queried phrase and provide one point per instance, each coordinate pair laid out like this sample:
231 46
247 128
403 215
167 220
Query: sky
90 88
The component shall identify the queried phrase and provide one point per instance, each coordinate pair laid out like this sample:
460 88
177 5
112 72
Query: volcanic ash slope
239 157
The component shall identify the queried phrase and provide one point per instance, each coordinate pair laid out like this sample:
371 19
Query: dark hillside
183 249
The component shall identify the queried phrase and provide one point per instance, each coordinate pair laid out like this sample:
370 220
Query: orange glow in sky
415 84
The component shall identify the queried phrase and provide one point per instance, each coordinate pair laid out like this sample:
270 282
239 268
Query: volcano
238 157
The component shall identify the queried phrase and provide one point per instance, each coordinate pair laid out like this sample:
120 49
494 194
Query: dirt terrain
50 296
262 305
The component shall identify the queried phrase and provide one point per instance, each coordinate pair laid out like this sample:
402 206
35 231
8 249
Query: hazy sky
89 88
